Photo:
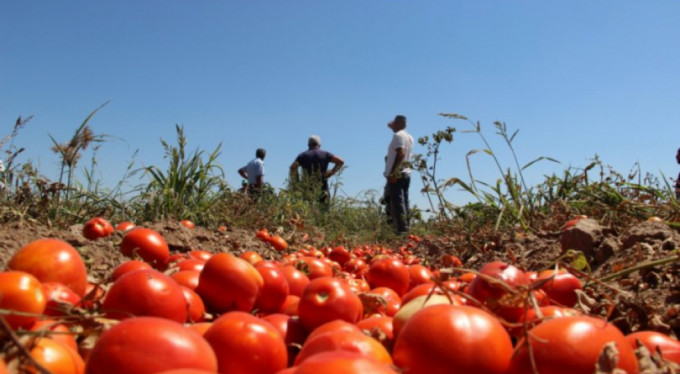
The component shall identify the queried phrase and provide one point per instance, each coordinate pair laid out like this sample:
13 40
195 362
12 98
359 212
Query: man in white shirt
254 173
398 173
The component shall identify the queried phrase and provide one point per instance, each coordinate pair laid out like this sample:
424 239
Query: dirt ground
644 299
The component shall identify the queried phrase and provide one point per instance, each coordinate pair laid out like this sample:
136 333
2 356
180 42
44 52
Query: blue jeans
398 192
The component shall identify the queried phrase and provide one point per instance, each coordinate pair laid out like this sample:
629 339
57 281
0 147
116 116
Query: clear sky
577 78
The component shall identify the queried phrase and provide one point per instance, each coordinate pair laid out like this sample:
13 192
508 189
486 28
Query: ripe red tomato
190 264
149 345
251 256
196 306
381 323
340 255
146 293
186 371
56 357
326 299
418 274
342 362
290 306
289 327
200 254
263 235
389 302
278 243
450 336
3 367
187 223
561 289
351 341
570 345
186 278
147 244
669 347
94 295
21 292
314 267
127 267
531 319
125 226
54 330
96 228
389 272
331 326
52 260
358 285
246 344
60 299
492 295
297 280
274 289
229 283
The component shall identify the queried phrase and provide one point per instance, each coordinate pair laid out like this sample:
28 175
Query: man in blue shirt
314 163
254 173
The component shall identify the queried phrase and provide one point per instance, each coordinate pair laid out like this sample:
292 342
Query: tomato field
175 297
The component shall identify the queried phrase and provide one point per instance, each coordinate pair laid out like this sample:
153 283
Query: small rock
584 236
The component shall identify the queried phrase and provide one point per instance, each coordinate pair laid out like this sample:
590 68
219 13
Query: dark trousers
399 208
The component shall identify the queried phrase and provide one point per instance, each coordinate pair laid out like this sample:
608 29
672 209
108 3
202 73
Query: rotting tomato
147 244
229 283
142 345
52 260
97 227
145 293
653 340
570 345
326 299
452 337
21 292
245 344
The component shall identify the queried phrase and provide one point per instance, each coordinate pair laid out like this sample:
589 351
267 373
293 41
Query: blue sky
576 78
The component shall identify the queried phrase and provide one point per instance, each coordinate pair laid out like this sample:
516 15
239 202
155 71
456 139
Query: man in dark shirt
314 163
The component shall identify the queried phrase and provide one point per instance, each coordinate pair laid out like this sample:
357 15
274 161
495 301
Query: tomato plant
229 283
145 293
21 292
326 299
147 244
246 344
96 228
52 260
143 345
570 345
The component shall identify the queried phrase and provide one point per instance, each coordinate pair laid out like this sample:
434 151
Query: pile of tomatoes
368 309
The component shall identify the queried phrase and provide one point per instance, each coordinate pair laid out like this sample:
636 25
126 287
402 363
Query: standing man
398 173
314 163
677 181
254 173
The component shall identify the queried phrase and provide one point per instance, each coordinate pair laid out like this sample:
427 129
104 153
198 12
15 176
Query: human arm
337 164
242 172
400 155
